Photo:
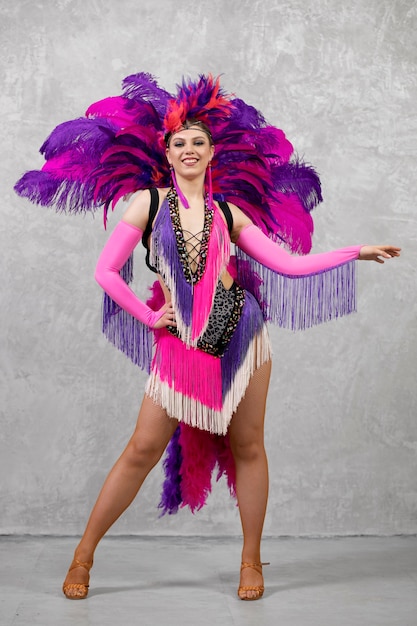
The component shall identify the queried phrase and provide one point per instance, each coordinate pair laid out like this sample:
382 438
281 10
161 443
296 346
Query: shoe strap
76 563
253 566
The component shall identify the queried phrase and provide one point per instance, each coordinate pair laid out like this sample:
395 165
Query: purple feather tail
171 498
190 459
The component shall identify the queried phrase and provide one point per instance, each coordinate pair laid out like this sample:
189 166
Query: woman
210 371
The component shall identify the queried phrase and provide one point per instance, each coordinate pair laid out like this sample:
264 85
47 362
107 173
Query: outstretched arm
300 291
270 254
257 245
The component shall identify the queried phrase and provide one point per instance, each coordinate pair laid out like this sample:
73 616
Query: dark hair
189 124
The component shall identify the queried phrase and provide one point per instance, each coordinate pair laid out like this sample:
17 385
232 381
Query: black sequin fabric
223 320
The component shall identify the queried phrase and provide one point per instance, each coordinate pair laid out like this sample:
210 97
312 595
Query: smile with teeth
190 161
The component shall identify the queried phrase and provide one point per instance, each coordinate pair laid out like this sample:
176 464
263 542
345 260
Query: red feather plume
203 100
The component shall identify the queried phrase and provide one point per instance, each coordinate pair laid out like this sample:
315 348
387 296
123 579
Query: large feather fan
118 148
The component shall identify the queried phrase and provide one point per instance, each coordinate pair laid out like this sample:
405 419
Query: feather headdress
118 148
204 101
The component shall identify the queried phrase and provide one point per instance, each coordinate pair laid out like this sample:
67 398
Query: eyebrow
202 136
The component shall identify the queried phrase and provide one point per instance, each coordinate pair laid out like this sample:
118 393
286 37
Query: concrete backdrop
340 79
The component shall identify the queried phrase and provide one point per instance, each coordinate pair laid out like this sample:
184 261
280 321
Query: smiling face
189 151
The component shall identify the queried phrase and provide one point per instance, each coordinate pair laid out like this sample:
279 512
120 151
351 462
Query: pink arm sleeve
257 245
116 252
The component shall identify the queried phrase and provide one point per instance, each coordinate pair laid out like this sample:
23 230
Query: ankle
83 554
251 556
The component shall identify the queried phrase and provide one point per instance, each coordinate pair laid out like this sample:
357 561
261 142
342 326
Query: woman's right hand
166 316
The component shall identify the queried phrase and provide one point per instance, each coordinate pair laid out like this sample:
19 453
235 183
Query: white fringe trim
192 412
259 352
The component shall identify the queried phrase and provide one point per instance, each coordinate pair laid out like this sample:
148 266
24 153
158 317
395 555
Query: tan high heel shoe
258 589
77 591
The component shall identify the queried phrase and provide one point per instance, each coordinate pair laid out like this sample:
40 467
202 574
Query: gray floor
176 581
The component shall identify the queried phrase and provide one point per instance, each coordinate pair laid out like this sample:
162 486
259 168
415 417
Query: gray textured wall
340 79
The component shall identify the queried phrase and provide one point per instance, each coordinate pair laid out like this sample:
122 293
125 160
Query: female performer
209 373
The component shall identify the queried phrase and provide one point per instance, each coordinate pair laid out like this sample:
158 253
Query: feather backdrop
118 148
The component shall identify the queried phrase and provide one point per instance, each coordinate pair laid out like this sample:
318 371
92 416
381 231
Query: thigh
154 428
247 423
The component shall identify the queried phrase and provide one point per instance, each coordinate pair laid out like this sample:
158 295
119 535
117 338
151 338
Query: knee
143 453
247 450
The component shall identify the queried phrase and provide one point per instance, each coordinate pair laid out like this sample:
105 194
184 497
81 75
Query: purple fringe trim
127 334
164 245
303 301
124 331
250 324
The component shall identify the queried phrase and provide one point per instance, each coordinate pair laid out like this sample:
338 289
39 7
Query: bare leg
144 449
246 433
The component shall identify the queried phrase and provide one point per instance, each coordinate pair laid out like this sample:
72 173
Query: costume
199 370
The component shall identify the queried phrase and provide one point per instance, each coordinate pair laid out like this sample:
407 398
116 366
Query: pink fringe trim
182 366
187 382
218 255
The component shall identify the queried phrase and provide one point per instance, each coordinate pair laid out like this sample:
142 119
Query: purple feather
48 190
118 149
301 179
171 498
87 138
143 87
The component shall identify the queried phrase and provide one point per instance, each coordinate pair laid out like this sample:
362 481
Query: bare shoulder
240 220
137 213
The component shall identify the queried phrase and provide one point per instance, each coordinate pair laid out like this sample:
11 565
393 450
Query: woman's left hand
378 253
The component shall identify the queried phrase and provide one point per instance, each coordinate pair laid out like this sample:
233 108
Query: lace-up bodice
193 246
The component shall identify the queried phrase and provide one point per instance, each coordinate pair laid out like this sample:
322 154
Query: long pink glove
116 252
257 245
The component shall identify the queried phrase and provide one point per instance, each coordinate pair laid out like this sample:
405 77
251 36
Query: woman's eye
181 144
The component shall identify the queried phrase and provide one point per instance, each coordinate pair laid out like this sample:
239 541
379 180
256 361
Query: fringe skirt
202 391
